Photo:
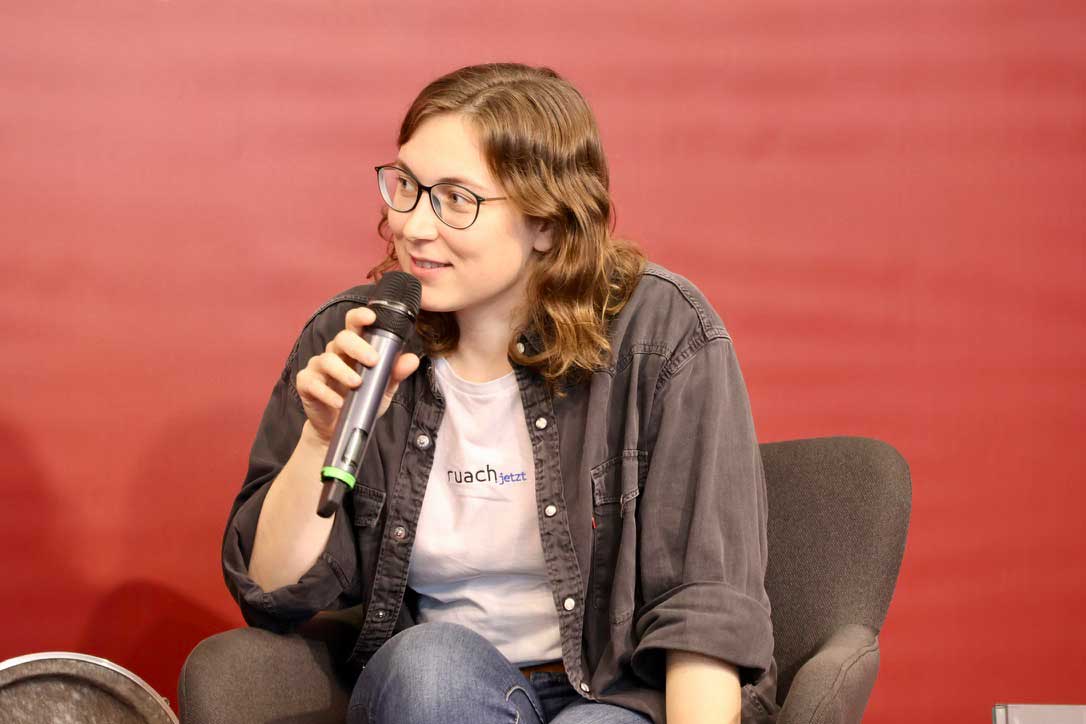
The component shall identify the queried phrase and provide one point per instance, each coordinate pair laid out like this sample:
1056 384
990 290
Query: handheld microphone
396 303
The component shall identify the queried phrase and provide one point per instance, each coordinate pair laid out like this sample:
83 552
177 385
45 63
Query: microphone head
399 286
396 302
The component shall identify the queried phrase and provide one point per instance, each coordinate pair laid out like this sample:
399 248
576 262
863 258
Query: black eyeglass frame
420 188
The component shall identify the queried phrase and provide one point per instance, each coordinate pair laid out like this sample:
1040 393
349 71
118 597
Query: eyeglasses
454 204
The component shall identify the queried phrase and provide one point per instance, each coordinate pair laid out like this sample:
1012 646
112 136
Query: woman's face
482 269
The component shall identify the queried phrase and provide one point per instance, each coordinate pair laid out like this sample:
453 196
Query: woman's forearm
290 536
701 689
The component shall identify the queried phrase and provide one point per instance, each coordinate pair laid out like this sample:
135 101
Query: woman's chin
433 303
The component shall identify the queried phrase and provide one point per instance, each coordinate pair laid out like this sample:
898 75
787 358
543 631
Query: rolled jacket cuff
704 617
286 607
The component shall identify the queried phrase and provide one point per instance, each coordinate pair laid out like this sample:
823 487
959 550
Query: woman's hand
326 379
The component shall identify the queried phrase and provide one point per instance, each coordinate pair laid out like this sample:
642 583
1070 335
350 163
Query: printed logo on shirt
486 475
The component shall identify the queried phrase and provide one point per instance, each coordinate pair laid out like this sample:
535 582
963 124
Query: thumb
405 366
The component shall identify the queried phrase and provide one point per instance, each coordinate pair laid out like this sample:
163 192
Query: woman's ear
542 231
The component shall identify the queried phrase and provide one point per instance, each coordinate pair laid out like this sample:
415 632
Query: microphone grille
399 286
402 289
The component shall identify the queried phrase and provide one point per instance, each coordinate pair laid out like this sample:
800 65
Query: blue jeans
436 673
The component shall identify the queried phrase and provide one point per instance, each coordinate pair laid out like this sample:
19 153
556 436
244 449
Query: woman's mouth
426 267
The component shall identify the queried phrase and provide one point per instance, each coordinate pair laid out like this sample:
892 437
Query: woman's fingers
312 385
351 347
405 367
328 377
335 369
359 318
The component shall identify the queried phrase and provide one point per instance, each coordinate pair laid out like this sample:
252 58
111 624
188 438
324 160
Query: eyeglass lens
452 204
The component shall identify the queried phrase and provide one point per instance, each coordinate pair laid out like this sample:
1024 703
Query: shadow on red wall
43 588
150 629
143 624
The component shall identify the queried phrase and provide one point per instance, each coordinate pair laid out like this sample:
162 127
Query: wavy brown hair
541 143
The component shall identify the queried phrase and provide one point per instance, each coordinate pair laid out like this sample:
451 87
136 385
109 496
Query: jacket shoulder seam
682 356
659 272
709 326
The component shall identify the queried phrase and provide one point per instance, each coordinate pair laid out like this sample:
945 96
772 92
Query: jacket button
520 347
550 510
540 422
585 688
569 604
422 442
379 614
399 532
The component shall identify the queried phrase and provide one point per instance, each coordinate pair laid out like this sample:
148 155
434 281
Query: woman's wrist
701 689
312 439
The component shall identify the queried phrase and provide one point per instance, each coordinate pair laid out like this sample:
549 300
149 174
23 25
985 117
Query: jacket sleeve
702 552
333 581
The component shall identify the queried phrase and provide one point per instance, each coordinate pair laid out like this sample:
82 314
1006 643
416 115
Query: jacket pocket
368 503
616 485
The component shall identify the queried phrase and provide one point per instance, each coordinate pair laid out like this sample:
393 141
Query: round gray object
59 686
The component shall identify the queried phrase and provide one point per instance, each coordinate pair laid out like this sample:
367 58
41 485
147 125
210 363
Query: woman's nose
421 222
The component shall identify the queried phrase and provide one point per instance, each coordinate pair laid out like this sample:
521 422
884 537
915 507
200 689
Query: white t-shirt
477 559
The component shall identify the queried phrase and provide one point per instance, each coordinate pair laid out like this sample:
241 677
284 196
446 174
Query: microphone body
395 318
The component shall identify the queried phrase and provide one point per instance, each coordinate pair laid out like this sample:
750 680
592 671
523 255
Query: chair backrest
838 515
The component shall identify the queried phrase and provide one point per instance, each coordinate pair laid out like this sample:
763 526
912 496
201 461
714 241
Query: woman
561 515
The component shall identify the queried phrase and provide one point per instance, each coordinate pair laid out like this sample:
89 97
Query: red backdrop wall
883 199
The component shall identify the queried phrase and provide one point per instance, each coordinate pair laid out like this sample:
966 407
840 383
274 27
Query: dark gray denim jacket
650 495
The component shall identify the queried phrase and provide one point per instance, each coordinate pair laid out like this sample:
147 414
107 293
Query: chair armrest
251 676
835 683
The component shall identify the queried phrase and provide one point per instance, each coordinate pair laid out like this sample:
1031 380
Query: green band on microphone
331 472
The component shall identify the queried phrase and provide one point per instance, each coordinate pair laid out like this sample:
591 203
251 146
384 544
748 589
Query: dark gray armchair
838 515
